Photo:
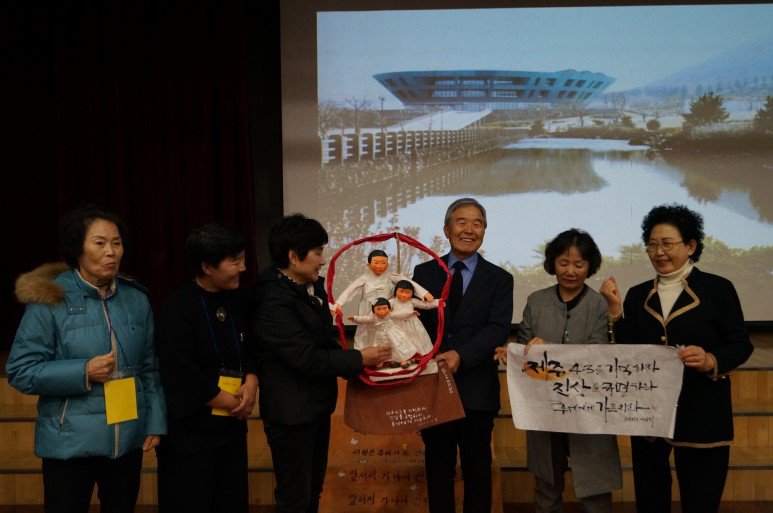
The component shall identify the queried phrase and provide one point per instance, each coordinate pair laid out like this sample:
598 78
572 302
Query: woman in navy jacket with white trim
699 314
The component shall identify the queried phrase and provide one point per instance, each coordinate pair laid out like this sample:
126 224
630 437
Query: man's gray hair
464 202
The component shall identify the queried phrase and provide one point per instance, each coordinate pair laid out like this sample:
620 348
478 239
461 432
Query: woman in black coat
299 361
700 314
208 369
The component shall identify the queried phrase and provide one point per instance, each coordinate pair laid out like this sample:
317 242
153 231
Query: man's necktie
456 291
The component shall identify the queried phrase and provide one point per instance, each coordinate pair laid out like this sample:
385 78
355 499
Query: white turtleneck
670 286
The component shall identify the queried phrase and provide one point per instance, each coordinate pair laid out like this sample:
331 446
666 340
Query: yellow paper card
228 384
120 400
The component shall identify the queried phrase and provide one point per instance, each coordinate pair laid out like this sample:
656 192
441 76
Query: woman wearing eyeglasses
699 314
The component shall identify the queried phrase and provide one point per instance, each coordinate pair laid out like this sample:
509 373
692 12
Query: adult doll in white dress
404 303
381 329
376 282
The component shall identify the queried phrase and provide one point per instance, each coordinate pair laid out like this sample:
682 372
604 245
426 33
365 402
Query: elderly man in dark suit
478 316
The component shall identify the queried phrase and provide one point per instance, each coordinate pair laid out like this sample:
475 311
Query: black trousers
207 481
68 484
701 473
472 436
299 455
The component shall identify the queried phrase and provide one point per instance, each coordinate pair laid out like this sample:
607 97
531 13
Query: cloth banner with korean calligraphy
595 388
429 400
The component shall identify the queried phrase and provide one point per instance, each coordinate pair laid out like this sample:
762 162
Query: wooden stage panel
381 473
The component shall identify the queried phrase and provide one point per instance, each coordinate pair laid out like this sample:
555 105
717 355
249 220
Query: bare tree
580 110
537 113
342 116
674 105
618 101
645 108
401 121
325 118
358 105
381 120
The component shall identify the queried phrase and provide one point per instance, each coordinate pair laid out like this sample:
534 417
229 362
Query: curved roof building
494 89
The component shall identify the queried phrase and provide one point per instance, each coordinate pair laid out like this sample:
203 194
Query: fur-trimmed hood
38 286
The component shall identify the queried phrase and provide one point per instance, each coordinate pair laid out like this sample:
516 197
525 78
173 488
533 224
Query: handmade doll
374 283
404 302
381 328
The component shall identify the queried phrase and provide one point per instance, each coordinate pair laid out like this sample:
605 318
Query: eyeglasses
667 246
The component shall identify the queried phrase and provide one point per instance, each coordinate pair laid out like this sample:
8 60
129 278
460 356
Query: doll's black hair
375 253
404 284
380 302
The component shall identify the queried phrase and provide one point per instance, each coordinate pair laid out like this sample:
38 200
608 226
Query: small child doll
380 328
404 302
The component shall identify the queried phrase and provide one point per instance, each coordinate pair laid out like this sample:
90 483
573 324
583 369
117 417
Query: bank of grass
603 132
679 140
509 124
717 142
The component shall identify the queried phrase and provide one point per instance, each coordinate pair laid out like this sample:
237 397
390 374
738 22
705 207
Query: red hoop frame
366 373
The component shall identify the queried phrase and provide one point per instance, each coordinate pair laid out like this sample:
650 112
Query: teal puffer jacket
63 327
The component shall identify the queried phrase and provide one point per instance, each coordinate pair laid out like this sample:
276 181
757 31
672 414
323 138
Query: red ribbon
366 373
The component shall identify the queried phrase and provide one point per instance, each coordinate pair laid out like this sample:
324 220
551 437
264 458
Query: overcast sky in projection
635 45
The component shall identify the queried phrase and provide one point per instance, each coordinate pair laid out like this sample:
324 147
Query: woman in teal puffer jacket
84 331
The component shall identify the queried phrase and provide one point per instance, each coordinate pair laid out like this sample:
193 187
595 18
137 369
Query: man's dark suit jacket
482 323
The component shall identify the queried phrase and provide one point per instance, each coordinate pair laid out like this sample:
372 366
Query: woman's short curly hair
294 232
688 222
573 238
74 226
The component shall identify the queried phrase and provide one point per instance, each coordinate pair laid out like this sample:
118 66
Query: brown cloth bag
426 401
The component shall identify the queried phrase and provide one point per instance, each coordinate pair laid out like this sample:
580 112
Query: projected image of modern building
494 89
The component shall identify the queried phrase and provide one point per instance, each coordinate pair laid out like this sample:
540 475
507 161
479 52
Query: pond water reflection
535 188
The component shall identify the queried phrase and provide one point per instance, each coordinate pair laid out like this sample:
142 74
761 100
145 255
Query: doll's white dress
411 326
382 331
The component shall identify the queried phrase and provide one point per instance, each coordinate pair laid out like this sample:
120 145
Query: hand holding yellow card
120 400
228 384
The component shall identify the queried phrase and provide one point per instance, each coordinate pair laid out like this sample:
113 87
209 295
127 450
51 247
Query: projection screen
552 118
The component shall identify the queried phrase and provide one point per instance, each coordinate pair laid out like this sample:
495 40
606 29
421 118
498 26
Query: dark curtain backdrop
145 109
